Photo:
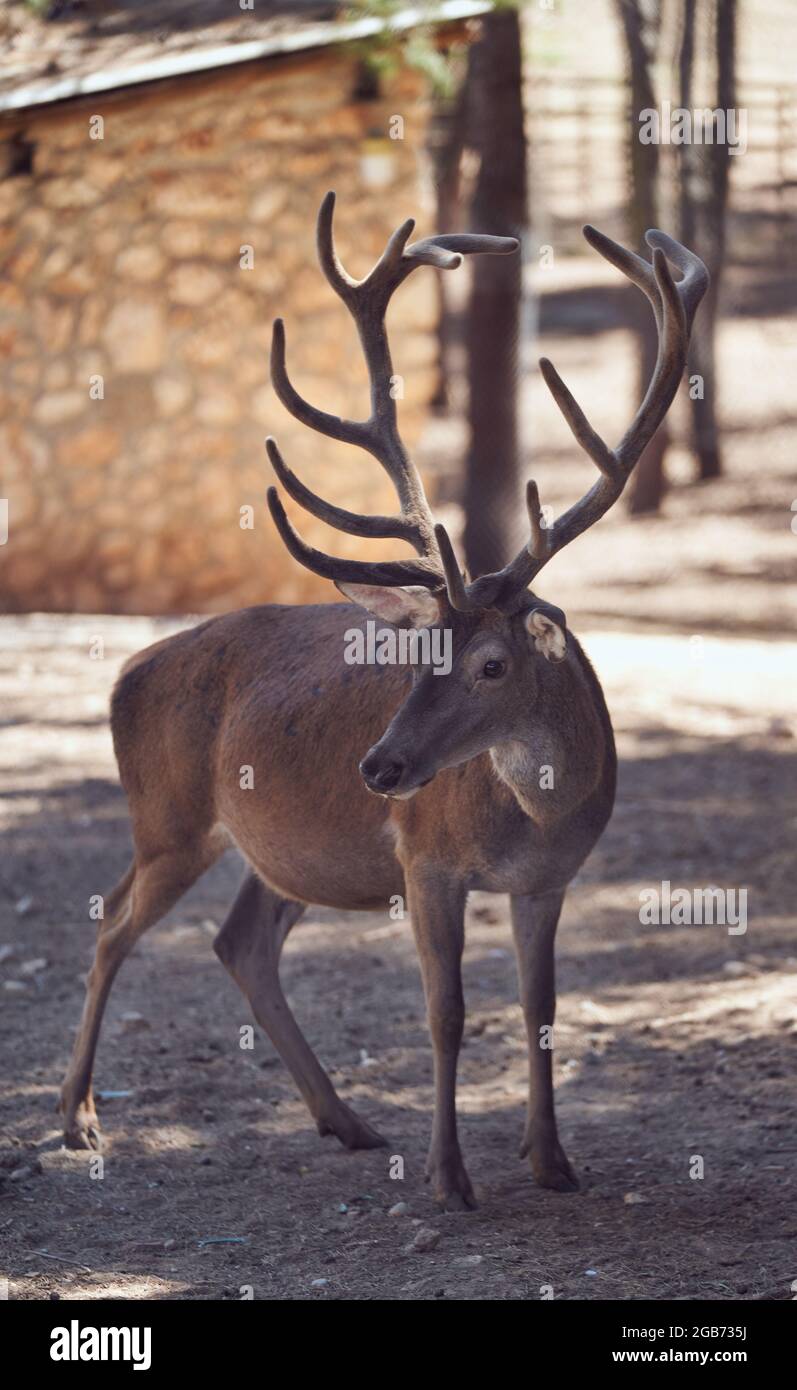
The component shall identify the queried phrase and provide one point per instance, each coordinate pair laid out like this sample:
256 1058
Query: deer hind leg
139 900
249 945
534 922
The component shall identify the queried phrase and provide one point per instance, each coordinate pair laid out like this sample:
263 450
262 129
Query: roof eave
227 55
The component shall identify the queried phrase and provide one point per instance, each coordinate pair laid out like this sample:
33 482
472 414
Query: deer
371 781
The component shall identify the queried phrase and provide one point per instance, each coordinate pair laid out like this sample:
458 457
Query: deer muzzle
381 771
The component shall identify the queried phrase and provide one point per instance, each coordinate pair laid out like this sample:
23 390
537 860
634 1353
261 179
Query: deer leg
438 924
249 945
138 901
534 921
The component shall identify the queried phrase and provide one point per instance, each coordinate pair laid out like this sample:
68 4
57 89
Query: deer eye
493 669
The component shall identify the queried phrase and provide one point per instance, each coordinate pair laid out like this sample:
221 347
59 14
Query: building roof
91 46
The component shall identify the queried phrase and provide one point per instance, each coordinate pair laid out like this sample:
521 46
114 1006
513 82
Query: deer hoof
83 1134
457 1201
452 1187
554 1172
352 1132
549 1163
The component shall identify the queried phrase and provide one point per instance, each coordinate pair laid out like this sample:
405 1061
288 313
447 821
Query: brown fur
267 688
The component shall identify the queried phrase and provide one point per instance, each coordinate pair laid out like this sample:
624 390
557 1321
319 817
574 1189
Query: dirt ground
673 1042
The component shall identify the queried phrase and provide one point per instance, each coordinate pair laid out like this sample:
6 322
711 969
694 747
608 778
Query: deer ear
549 637
410 607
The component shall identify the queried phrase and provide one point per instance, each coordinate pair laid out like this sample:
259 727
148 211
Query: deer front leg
534 921
438 911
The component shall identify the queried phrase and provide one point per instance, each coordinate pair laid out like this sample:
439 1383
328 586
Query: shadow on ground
665 1056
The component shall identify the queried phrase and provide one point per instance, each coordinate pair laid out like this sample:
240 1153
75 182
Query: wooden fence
578 149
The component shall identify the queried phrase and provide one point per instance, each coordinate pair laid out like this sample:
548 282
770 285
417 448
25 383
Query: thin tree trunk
446 141
707 218
689 173
648 483
499 206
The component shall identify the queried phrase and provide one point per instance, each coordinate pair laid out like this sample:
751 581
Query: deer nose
380 775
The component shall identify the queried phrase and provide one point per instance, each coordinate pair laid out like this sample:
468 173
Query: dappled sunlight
163 1141
699 686
142 277
669 1040
133 1288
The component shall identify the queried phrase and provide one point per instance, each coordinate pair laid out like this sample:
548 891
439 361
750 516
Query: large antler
674 305
367 302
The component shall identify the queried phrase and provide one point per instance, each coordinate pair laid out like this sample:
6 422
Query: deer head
505 640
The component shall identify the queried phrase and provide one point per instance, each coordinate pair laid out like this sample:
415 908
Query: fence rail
578 132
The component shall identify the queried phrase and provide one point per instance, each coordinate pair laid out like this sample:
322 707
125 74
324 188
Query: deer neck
556 767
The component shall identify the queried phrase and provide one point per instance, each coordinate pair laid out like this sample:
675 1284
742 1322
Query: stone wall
134 388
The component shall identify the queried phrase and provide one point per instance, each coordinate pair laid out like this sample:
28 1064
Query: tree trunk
688 170
446 142
495 131
648 482
706 211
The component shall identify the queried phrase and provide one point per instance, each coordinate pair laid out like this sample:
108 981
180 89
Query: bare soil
674 1043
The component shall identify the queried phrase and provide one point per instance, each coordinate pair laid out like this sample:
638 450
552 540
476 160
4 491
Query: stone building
158 195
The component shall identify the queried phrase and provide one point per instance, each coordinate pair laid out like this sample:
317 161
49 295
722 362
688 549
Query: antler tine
367 301
670 362
467 598
695 275
390 572
456 588
338 278
446 251
389 266
633 266
674 306
540 538
396 527
587 437
347 431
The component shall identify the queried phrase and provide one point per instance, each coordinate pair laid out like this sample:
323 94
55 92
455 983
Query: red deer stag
453 758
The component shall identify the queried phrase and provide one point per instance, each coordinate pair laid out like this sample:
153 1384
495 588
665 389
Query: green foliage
383 53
